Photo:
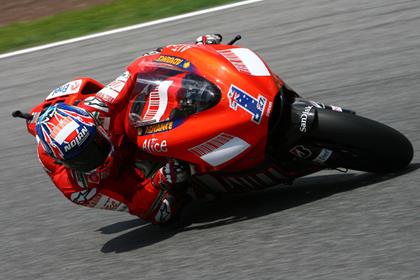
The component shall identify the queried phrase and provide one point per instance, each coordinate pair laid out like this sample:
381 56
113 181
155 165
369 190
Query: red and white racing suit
127 185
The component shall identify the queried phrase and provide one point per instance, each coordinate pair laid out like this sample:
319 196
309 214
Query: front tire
359 143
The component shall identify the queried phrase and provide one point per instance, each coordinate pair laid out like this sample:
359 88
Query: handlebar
237 38
19 114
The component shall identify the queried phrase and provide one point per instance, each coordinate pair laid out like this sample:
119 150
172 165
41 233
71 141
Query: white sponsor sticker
66 89
220 149
102 201
246 61
107 94
111 91
124 77
180 47
116 85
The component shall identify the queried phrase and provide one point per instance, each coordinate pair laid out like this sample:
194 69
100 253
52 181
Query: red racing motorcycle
238 125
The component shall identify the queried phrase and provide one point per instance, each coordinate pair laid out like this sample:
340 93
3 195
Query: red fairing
207 105
231 135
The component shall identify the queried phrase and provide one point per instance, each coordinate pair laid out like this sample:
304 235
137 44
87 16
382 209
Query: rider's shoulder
48 163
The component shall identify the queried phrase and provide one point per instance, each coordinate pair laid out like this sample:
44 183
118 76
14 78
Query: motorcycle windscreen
169 94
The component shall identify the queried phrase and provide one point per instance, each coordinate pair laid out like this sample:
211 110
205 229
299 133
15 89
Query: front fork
289 144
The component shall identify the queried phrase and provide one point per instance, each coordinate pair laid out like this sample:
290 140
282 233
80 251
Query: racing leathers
134 181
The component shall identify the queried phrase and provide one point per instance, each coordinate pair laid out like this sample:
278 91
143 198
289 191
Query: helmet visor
92 156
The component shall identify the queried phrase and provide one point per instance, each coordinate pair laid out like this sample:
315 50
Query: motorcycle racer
88 156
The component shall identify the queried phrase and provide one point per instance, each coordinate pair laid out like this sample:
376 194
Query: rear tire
360 143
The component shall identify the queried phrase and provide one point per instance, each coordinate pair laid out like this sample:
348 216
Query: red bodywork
212 133
227 137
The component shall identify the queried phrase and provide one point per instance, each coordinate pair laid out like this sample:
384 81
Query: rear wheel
360 143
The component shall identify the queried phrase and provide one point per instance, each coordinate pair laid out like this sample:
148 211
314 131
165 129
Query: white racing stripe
65 132
163 98
226 152
129 28
245 61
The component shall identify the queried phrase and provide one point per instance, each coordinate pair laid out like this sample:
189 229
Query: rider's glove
172 173
211 39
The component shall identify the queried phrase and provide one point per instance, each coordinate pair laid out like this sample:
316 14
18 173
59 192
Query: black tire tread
380 148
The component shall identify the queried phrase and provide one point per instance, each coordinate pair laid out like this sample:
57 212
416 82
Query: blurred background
362 54
26 10
25 23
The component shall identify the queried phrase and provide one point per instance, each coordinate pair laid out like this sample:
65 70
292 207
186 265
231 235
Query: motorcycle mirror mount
19 114
237 38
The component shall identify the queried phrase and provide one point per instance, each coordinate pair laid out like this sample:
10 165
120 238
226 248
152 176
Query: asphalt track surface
363 55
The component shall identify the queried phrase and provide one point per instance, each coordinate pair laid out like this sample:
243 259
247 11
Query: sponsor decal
247 102
154 102
96 103
116 85
83 196
323 156
157 102
124 76
111 91
176 61
66 89
235 60
301 152
180 47
102 201
156 128
119 83
220 149
245 61
161 127
107 94
65 127
78 140
304 118
154 145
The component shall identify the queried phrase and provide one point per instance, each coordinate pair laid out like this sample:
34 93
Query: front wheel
359 143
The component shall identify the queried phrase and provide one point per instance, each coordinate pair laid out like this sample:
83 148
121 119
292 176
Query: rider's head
74 138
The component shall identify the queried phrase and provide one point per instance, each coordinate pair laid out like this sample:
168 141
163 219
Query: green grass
75 23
